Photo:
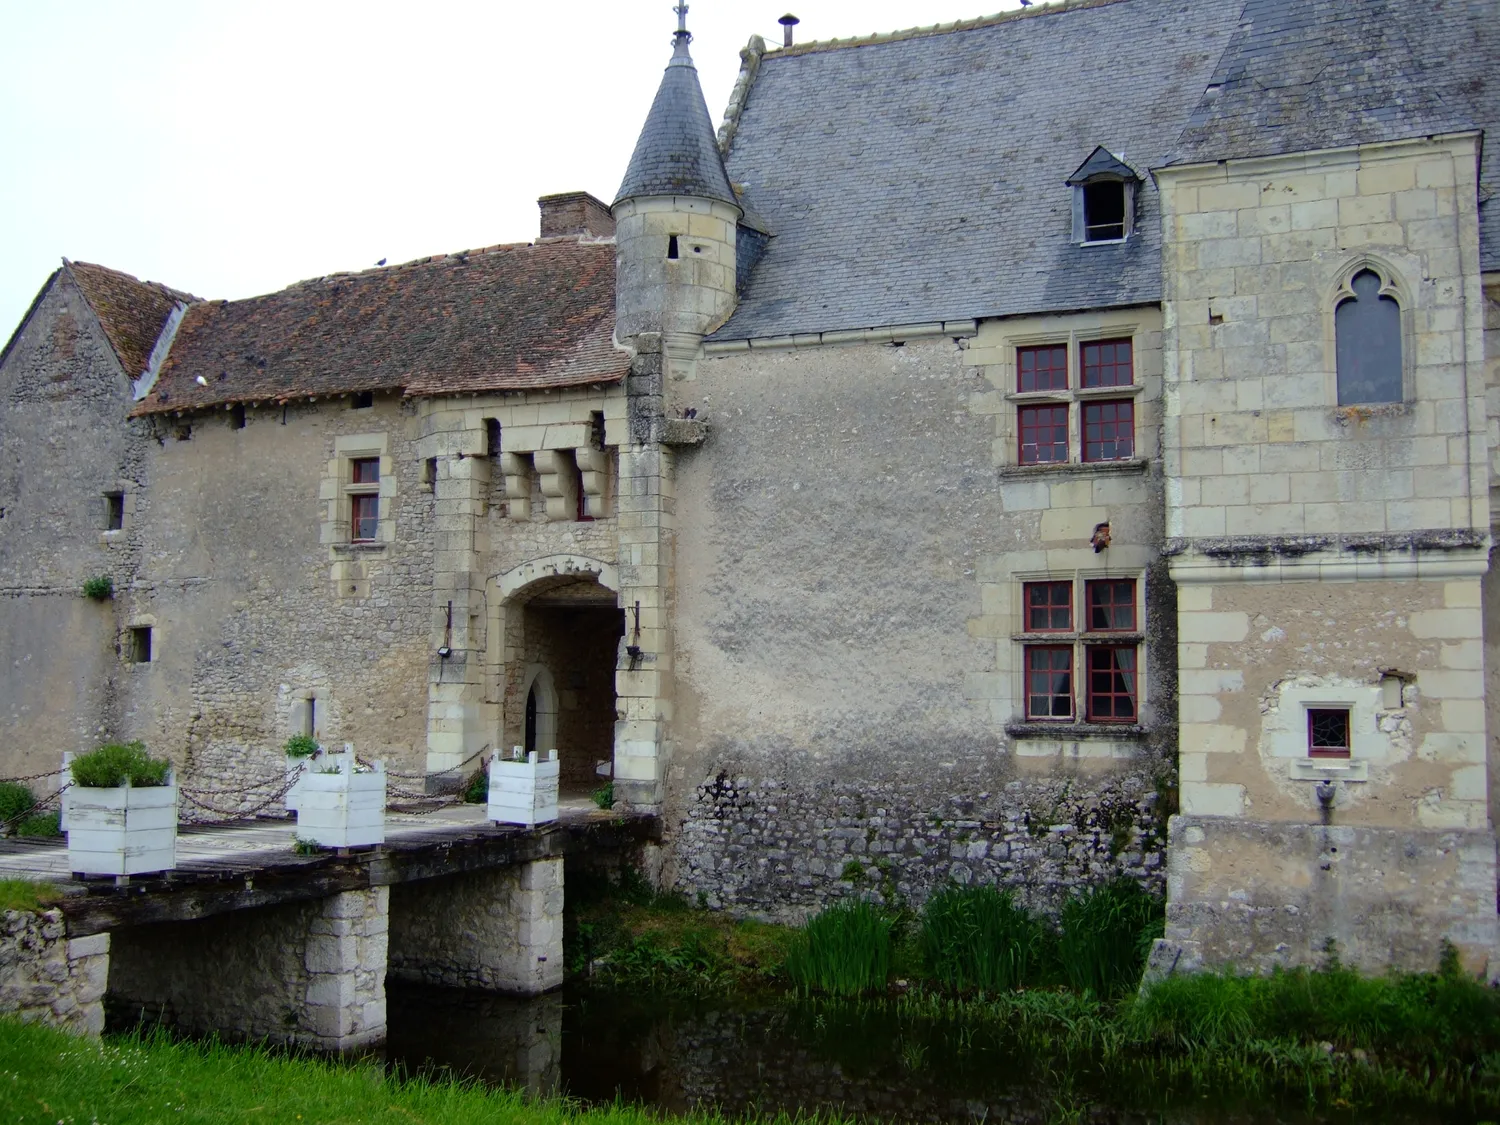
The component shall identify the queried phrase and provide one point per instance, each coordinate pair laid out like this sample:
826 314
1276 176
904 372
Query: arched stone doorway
560 626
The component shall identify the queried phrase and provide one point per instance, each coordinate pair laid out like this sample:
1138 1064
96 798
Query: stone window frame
1075 396
338 489
1080 639
126 491
1393 285
1284 729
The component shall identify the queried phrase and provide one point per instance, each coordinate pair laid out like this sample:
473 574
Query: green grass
23 894
1105 934
477 787
844 951
109 766
47 1076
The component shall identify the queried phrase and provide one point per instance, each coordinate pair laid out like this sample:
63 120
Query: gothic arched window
1367 330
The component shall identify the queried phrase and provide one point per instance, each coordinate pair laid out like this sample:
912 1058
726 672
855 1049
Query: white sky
233 148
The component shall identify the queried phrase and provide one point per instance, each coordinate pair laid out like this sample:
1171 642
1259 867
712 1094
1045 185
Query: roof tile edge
1033 11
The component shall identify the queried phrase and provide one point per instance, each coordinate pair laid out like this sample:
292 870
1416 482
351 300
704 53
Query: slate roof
1311 74
503 318
920 177
677 153
131 312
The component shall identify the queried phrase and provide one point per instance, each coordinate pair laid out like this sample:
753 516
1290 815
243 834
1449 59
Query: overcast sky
233 148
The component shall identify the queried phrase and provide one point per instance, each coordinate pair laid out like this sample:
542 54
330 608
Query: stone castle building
1021 451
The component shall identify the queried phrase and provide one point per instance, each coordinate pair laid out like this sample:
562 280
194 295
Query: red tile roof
502 318
131 312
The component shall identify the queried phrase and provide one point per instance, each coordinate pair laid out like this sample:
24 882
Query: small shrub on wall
99 588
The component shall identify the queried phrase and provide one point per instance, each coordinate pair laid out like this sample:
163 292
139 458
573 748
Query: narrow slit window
1108 431
672 247
1044 434
1328 732
1049 682
1367 327
1049 607
1111 683
492 437
114 511
237 416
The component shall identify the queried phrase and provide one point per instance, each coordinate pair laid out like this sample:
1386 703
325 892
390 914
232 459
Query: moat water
677 1055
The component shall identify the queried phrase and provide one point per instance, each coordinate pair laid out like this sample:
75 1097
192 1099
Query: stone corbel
559 478
517 472
593 468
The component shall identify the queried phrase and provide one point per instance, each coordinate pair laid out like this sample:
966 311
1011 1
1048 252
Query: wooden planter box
131 830
344 809
523 791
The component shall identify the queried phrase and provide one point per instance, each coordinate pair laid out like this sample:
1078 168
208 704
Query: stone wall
64 444
853 540
48 977
310 973
496 930
1261 894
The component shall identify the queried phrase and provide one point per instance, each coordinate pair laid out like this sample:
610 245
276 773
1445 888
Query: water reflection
680 1055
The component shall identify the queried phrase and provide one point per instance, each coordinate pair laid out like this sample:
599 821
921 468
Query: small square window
1049 607
1049 682
1111 694
1107 363
1103 211
365 470
361 400
1111 603
114 511
1108 431
1044 434
138 644
1042 369
1328 732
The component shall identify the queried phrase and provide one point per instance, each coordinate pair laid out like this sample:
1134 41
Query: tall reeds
1105 935
844 951
979 938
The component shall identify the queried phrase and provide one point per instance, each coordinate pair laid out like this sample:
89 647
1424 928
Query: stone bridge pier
313 972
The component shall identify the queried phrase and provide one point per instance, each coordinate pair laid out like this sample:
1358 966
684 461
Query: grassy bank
47 1077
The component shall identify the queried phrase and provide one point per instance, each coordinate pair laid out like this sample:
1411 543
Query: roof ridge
1032 11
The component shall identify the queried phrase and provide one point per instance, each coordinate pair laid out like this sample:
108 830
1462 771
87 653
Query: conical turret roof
677 153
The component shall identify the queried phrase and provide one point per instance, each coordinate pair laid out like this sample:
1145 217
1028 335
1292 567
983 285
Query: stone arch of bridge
556 627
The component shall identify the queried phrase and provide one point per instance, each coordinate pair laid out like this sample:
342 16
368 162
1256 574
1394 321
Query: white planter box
523 791
296 769
127 831
344 809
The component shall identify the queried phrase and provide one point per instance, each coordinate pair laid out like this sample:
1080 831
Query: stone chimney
575 214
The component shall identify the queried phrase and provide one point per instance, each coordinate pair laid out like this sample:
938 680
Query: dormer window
1103 198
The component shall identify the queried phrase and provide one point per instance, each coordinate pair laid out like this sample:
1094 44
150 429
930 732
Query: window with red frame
1108 431
1044 434
1049 607
1111 683
1111 605
1107 363
364 506
1042 369
1049 682
1328 732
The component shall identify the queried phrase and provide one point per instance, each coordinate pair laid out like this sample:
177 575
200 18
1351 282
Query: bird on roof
201 381
381 262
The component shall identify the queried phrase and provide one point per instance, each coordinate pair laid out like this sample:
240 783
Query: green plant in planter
99 588
301 746
111 766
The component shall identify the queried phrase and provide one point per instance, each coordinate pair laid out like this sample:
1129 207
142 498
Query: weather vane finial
681 10
682 37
